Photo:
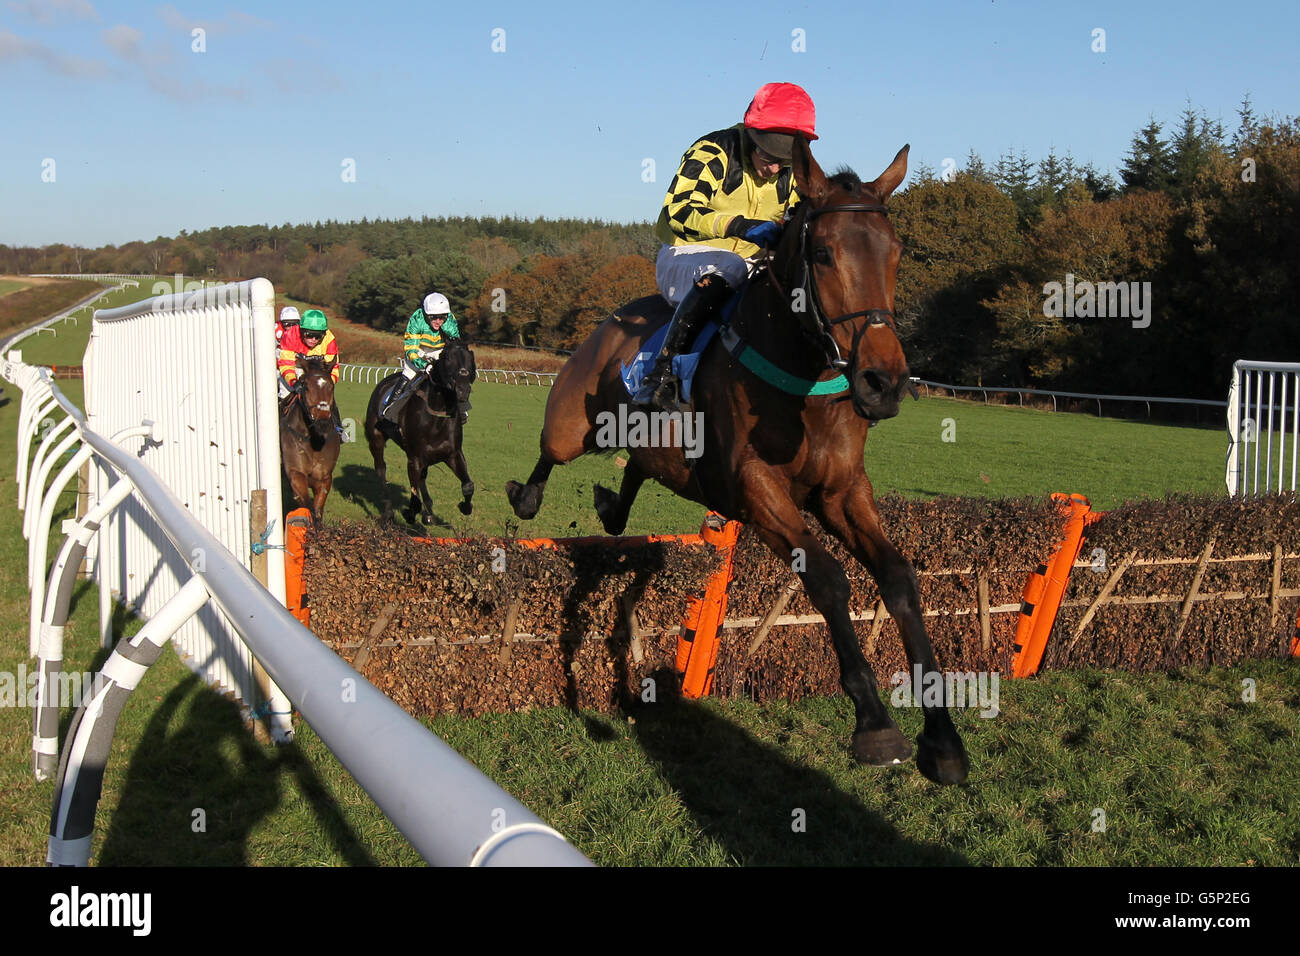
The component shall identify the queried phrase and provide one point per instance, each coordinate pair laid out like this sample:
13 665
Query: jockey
427 333
312 337
287 320
726 203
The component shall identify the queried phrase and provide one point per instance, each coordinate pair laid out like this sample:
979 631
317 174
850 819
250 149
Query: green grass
1186 773
66 344
12 285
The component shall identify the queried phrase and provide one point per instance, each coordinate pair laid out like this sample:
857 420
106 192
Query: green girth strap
747 356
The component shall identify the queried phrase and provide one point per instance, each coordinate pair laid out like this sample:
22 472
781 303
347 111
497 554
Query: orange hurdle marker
295 533
697 647
1045 588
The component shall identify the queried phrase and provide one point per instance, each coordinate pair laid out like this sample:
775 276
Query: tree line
1195 241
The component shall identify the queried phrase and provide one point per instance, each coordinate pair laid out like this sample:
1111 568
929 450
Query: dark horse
309 442
824 305
429 430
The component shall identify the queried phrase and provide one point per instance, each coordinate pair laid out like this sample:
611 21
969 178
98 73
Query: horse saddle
684 363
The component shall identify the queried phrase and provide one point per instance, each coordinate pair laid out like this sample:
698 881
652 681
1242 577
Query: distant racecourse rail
374 374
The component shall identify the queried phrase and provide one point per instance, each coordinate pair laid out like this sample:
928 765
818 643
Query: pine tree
1148 164
1247 126
1194 148
976 169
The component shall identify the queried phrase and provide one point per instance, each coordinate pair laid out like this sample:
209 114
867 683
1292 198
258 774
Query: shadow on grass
359 484
747 795
200 757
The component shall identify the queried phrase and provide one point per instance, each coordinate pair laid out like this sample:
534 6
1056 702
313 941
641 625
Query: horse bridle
809 286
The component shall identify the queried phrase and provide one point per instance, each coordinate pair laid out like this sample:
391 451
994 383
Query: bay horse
309 442
823 309
429 430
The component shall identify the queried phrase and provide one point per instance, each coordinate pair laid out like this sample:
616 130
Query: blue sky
148 136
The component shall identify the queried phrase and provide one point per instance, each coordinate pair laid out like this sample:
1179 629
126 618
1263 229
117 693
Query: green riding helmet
313 320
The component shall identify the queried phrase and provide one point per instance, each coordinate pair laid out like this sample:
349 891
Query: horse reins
808 282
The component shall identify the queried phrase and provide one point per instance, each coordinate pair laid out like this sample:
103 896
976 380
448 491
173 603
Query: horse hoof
944 765
607 503
524 500
466 507
881 748
426 519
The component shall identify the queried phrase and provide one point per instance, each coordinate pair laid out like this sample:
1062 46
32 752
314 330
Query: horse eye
822 256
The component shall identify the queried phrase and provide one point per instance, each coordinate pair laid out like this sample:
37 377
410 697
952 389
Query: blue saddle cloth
684 364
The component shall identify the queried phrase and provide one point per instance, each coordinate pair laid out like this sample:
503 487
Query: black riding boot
661 387
396 397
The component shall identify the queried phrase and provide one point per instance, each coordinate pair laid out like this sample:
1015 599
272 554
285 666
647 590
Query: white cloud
236 21
48 11
14 48
124 41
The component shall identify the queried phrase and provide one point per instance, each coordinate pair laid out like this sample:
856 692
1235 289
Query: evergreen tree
1148 164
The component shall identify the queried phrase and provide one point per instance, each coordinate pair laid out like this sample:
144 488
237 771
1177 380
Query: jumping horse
429 430
309 442
812 359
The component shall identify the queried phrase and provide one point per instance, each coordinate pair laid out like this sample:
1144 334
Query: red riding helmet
782 108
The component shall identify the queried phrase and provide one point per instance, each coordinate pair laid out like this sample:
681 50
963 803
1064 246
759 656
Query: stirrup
665 395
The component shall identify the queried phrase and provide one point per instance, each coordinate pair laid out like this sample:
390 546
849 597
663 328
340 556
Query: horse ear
808 176
889 180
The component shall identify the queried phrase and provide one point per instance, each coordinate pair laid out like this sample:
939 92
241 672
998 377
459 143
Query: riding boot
396 397
337 419
661 387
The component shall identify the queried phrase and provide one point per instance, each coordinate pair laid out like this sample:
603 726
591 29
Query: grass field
1185 771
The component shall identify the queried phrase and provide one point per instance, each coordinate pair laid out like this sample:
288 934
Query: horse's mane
847 179
318 362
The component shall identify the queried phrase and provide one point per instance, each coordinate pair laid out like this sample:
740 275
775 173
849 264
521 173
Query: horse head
316 385
455 371
839 256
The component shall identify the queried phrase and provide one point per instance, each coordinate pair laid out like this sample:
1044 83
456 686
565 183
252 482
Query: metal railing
987 390
374 374
1262 408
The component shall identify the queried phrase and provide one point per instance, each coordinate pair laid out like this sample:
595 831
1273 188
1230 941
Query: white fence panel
201 366
1263 427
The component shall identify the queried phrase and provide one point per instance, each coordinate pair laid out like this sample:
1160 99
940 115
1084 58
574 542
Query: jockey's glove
757 231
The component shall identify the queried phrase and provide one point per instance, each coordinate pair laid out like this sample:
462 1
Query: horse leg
302 491
323 486
613 509
460 469
852 517
564 438
876 738
377 442
418 473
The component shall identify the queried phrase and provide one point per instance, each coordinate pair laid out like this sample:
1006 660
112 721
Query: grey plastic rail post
45 721
81 771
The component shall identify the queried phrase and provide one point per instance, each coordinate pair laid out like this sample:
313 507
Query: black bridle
808 285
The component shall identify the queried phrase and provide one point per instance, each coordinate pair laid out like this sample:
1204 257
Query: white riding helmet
289 315
435 303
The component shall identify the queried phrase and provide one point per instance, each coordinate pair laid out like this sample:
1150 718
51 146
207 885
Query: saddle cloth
684 364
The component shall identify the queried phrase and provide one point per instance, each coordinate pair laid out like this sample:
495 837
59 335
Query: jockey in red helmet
727 202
